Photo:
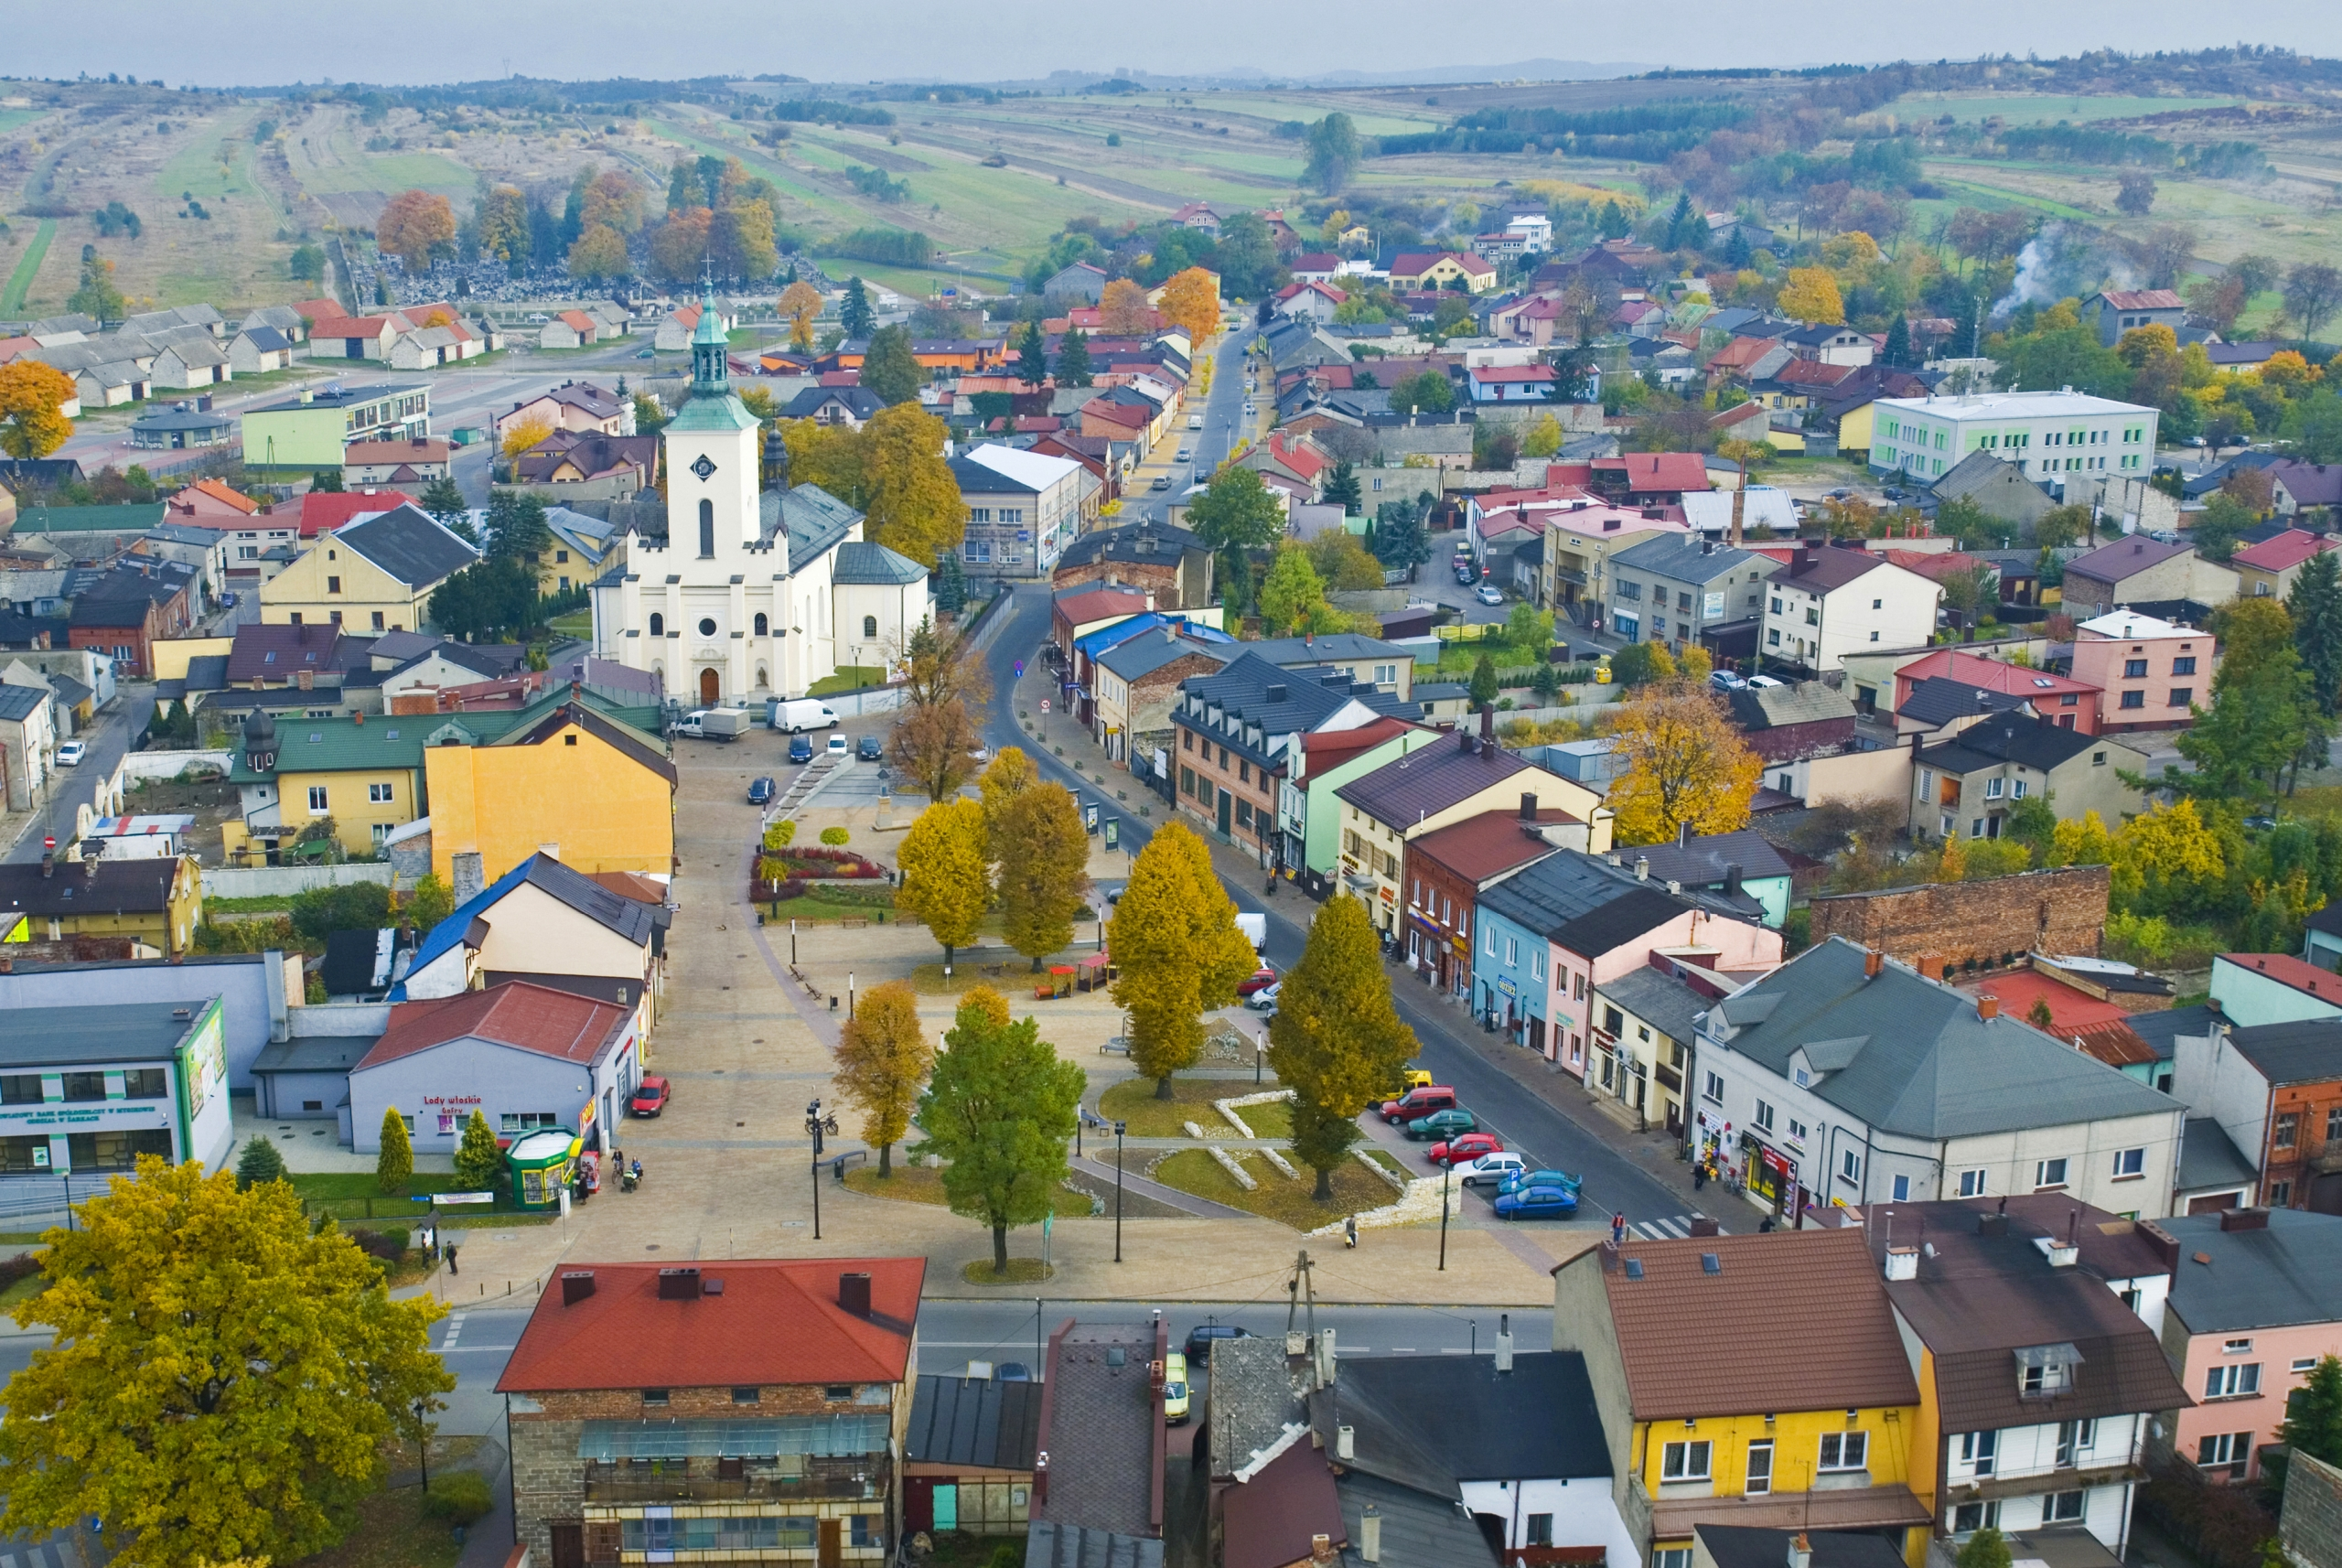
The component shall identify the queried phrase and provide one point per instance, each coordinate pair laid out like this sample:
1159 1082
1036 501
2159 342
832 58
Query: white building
759 589
1830 603
1023 509
2047 435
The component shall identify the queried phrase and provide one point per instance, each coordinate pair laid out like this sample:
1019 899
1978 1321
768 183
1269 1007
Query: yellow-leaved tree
1811 294
1043 853
525 436
947 876
415 226
801 301
2164 852
1190 302
1684 765
1123 310
892 470
221 1381
884 1058
1335 1040
32 400
2083 843
1175 939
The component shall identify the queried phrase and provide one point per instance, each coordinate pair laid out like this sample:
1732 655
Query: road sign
1020 668
1045 705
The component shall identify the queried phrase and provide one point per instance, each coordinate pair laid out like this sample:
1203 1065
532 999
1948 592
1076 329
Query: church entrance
707 688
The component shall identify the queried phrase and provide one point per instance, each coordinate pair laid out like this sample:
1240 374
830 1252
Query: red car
1262 977
1469 1147
649 1097
1421 1101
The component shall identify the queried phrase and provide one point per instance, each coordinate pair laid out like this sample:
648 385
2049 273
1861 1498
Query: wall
2012 1162
260 881
2062 910
2274 1351
1581 1322
2211 1080
1849 776
2247 998
251 988
604 810
466 1075
1582 1511
1796 1436
2311 1523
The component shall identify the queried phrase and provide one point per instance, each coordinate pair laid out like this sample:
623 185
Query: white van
801 714
1195 422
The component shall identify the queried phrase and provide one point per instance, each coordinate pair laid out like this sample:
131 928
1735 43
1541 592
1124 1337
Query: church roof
863 564
816 519
724 412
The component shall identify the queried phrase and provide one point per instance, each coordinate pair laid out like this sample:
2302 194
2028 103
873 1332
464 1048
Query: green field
11 298
2030 109
12 118
198 167
392 171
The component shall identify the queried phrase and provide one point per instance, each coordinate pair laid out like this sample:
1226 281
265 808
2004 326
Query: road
73 788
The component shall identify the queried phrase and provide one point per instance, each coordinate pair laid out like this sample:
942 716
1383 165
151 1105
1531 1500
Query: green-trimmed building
307 431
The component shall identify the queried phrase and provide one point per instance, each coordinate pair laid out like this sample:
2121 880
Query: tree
502 219
1426 391
931 742
883 1060
906 491
1484 686
1290 592
854 315
1005 779
999 1108
1123 310
1190 302
97 295
1335 1039
1043 851
1811 294
2315 606
1544 438
221 1381
482 600
1985 1548
1032 356
801 301
394 1166
523 436
1399 538
947 882
517 528
598 253
260 1161
1174 937
2136 197
1333 152
1342 561
305 265
1236 513
2313 1423
479 1163
2313 427
739 238
680 247
32 399
2312 292
443 500
889 370
1073 358
1341 489
1684 764
417 227
950 584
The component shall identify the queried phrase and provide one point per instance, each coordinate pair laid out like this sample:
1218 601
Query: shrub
778 835
22 1266
834 835
458 1497
260 1161
390 1245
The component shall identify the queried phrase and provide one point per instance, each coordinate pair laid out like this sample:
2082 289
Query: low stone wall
171 764
274 881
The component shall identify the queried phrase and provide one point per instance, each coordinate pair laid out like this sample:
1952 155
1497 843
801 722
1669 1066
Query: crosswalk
62 1549
1674 1228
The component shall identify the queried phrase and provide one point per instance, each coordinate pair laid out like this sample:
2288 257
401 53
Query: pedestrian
1618 1228
1767 1227
1699 1177
451 1261
1349 1231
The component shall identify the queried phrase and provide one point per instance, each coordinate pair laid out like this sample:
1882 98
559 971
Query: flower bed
794 867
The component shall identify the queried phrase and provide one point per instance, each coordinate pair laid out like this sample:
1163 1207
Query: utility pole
1301 1292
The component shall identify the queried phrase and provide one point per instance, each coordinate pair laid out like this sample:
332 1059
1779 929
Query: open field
2041 109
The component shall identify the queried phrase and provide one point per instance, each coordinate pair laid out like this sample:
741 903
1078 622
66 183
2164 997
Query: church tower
712 456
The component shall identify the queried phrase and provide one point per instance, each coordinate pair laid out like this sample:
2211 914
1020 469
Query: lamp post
1444 1173
817 1123
849 994
1258 1051
1118 1190
792 941
422 1446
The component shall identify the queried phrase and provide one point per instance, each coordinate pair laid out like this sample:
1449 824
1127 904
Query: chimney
576 1285
1609 1251
853 1294
1988 1008
2166 1244
1488 730
1801 1551
1345 1443
1463 741
1992 1225
1731 881
1504 1343
679 1285
1277 693
358 720
1642 868
1704 1226
1873 961
1321 1552
466 875
48 864
1370 1534
2062 1254
1528 806
2244 1219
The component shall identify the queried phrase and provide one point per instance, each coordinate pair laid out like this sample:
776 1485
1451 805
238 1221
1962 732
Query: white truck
713 724
1195 422
798 714
1255 929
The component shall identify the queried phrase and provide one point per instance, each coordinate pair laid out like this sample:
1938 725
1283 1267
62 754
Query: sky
223 43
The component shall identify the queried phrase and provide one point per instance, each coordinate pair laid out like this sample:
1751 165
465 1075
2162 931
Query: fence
36 1202
269 881
138 765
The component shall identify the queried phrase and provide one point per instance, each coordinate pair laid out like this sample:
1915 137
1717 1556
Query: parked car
1489 1169
1200 1336
1470 1146
837 746
1537 1179
1489 594
1420 1100
760 790
1160 482
70 755
1464 577
869 749
1727 680
1537 1203
795 713
1762 682
1261 979
1411 1079
1012 1372
1442 1124
800 749
649 1097
1175 1389
1265 999
1187 455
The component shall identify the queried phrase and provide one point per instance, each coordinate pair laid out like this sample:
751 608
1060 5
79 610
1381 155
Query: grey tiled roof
2208 1158
1701 862
1663 1002
1771 707
2290 1272
1681 558
1417 1525
1100 1432
862 563
1421 783
2306 1052
2160 1030
409 544
2010 737
1432 1420
1940 699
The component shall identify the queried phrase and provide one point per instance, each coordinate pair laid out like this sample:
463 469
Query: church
759 589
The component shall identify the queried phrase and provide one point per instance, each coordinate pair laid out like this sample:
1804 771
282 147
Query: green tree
2313 1423
2315 604
1000 1107
1073 358
854 312
1043 851
947 882
1399 538
950 582
1175 939
1341 489
1484 683
889 370
883 1059
221 1381
431 902
2313 426
479 1163
1236 514
1032 356
2218 527
1333 152
1291 593
516 530
1335 1040
1986 1549
98 296
394 1166
260 1161
306 265
443 500
1426 391
1898 348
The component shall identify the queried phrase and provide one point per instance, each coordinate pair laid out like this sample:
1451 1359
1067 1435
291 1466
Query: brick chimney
1988 1007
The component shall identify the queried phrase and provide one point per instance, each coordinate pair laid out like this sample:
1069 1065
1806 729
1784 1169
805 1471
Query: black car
1200 1336
868 749
760 791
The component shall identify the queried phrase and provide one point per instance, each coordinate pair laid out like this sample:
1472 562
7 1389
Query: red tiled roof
1933 564
319 309
1100 604
323 510
421 449
1741 353
776 1322
1514 375
221 492
1488 845
2286 551
1812 373
2115 1043
2145 299
1659 471
1314 262
1299 456
526 1017
578 320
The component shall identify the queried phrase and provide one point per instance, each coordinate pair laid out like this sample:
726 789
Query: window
2288 1128
1713 1089
2305 1364
2017 790
2042 1370
1686 1461
1845 1451
525 1120
658 624
1902 1189
1488 941
1671 1557
2049 1172
1537 964
378 794
333 585
2134 669
2280 1195
2235 1381
2333 1124
870 626
2225 1448
316 796
2183 666
2098 760
1540 1530
1765 1115
1851 1167
657 1396
744 1396
2130 1165
1970 1517
1760 1468
20 1088
2132 700
707 626
1972 1184
83 1087
1511 953
2059 1508
2074 1437
378 614
1796 1131
146 1083
1992 788
706 528
2181 696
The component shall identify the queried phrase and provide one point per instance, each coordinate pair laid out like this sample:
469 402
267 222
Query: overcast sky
261 42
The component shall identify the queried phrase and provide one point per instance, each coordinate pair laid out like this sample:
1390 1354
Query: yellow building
1417 270
365 774
1731 1395
597 793
1855 427
160 902
374 575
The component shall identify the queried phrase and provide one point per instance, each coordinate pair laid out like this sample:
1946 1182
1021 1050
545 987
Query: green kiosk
541 1162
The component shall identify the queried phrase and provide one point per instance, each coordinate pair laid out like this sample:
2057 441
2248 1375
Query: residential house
1367 660
588 466
2031 1327
1968 785
1135 685
1789 724
1076 613
1549 936
1651 479
1023 509
2146 670
1646 1027
1309 301
207 500
584 547
1446 873
578 406
1414 270
158 902
2275 1090
1741 1433
1832 345
851 407
255 350
377 574
569 329
2254 1307
1099 1499
1739 862
2116 311
2295 485
1084 283
677 327
2252 989
969 1456
1198 215
1998 486
1511 385
1831 601
1581 537
1933 692
127 612
796 1434
27 749
1171 563
1848 1076
416 461
2267 570
1681 591
345 337
1317 763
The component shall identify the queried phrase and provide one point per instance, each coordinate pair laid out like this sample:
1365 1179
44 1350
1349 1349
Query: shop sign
1460 944
1505 987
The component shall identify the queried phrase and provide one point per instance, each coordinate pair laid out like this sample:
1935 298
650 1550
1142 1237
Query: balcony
708 1480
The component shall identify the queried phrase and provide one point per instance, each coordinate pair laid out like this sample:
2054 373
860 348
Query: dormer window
2046 1369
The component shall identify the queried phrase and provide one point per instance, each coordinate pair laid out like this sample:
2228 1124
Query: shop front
1771 1176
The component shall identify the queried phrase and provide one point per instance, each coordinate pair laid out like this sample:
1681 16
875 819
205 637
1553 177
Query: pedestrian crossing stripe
1674 1228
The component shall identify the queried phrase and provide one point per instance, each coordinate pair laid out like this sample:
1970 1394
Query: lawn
1132 1102
913 1184
1356 1189
849 678
392 1533
577 623
1272 1121
11 298
394 172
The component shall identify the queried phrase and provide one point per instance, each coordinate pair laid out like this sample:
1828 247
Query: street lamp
1118 1190
1446 1171
817 1123
422 1446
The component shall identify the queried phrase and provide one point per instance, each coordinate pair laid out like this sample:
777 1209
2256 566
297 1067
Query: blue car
760 791
800 749
1520 1179
1538 1203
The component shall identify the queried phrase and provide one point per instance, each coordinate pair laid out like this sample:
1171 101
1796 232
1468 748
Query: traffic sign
1045 705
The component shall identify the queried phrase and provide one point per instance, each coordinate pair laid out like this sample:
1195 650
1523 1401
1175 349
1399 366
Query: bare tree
2312 292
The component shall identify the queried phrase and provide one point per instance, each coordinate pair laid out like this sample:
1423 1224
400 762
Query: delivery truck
713 724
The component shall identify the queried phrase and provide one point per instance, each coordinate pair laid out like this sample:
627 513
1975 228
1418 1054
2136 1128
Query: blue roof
449 934
1121 631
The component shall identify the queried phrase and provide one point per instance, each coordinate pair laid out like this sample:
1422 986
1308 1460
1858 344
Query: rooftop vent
2244 1219
1634 1268
1902 1263
854 1295
679 1285
576 1285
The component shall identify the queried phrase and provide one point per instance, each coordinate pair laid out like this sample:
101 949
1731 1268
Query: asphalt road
73 788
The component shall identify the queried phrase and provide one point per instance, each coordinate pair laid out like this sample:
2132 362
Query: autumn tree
394 1166
32 399
599 253
1683 764
1175 939
893 470
801 301
502 222
1123 310
1811 294
1008 775
524 435
947 878
97 296
882 1061
1043 853
680 245
889 370
222 1379
612 201
739 240
999 1110
417 227
1335 1039
1292 594
1190 302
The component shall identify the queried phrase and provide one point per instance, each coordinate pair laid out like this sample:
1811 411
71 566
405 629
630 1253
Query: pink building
206 501
2256 1300
2146 670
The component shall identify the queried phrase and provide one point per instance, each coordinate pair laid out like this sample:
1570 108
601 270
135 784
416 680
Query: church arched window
764 626
870 626
658 624
707 528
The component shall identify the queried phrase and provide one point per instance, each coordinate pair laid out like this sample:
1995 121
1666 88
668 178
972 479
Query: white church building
759 589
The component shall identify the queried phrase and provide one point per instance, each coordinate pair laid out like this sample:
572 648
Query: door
2326 1194
947 1506
918 1504
1227 806
828 1555
707 688
568 1546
